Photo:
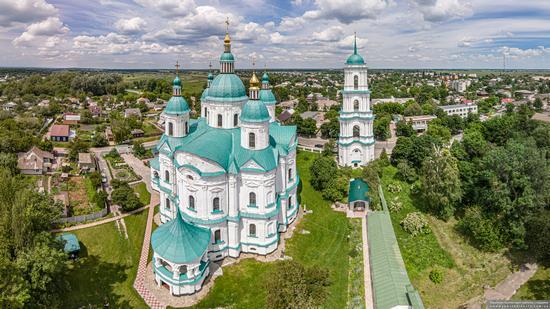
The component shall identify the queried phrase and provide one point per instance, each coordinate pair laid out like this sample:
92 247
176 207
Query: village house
60 133
137 133
420 123
71 118
86 162
35 161
129 112
10 106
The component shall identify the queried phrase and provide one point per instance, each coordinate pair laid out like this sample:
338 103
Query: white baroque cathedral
227 180
356 140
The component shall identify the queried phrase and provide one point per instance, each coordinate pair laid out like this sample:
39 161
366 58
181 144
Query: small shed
357 194
72 247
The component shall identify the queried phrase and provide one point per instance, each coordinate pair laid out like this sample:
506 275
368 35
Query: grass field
193 83
537 288
242 284
144 195
466 269
107 267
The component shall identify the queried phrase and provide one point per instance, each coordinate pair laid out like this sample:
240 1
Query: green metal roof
358 190
177 81
229 153
265 78
154 163
176 105
389 275
227 57
71 242
355 58
227 87
180 242
210 76
267 96
254 111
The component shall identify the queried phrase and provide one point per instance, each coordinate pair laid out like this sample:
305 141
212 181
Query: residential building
86 162
60 133
461 110
35 161
129 112
420 123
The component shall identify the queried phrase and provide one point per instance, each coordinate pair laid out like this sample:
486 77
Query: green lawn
144 195
242 284
466 269
107 267
537 288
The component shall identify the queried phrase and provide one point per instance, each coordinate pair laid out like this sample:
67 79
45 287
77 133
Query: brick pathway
369 301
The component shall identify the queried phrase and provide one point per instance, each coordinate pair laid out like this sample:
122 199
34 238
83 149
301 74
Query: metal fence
82 218
312 149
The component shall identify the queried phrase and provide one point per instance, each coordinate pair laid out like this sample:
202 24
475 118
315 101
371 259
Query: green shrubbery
436 276
415 224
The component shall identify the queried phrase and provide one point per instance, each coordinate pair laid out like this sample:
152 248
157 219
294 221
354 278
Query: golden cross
177 66
227 24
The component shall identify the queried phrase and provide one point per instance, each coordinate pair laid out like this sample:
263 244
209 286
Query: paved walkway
369 301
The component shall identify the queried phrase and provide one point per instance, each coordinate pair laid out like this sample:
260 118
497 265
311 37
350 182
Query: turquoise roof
228 152
180 242
210 76
177 81
254 111
154 163
70 241
267 96
227 57
355 58
358 190
265 78
227 87
176 105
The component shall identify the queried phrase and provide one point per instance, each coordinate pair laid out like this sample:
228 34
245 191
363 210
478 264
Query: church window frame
167 176
251 140
236 120
186 128
252 230
216 205
355 82
252 199
191 202
218 236
220 120
356 131
355 105
167 203
170 129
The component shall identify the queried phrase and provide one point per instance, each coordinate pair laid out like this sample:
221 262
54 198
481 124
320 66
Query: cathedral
227 181
356 140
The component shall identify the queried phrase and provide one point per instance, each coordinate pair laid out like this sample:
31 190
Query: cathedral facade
227 181
356 139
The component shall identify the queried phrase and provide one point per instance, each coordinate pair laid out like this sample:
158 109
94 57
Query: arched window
355 82
289 174
235 120
356 105
220 120
167 176
252 198
252 230
216 204
167 204
183 269
252 140
191 202
206 112
356 131
186 128
217 236
170 129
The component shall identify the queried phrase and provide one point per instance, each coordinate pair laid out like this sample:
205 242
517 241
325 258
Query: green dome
227 87
180 242
204 94
265 78
267 97
177 81
176 105
210 76
355 59
227 57
255 111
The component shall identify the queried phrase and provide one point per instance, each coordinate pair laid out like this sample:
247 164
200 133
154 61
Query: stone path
369 301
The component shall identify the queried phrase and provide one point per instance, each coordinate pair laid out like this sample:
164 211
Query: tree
308 127
413 110
46 145
439 132
440 183
77 146
538 104
538 235
382 128
474 143
139 150
329 147
99 140
404 128
481 230
291 285
124 196
9 162
330 129
322 171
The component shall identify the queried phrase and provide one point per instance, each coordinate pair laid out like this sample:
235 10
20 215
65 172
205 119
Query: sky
413 34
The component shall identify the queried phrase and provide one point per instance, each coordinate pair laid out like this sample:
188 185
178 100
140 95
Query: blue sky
279 34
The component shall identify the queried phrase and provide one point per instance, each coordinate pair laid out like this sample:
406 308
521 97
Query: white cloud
291 23
49 27
24 11
331 34
442 10
347 11
277 38
170 8
131 26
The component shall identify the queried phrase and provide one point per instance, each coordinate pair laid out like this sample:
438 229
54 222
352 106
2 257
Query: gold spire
227 39
254 82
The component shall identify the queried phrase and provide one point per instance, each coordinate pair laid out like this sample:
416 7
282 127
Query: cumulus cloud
441 10
291 23
170 8
131 26
277 38
330 34
24 11
49 27
118 44
347 11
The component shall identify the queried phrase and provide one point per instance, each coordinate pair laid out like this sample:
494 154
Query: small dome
210 76
204 94
255 111
227 57
227 86
176 105
254 82
177 81
265 78
267 97
355 59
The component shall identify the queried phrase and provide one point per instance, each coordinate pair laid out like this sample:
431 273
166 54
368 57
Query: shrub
395 205
436 276
394 188
415 224
481 230
405 172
